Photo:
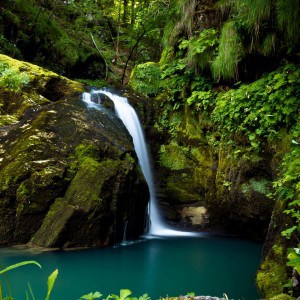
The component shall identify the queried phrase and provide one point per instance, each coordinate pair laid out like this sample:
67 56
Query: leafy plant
260 109
288 191
91 296
124 295
51 281
11 78
14 266
145 78
200 48
294 258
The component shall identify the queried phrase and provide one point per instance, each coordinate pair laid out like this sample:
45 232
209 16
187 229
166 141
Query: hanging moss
230 53
288 18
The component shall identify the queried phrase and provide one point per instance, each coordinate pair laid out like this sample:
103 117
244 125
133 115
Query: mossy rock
41 87
272 274
68 173
282 297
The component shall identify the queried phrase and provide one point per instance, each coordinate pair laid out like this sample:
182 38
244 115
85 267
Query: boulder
69 175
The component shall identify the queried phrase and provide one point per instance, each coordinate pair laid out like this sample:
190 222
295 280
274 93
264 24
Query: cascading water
130 119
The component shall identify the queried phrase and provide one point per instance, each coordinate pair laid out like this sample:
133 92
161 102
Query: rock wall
68 174
224 185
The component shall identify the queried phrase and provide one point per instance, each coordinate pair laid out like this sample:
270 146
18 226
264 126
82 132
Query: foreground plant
30 295
124 295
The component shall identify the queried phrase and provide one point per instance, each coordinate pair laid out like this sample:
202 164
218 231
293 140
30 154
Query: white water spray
130 119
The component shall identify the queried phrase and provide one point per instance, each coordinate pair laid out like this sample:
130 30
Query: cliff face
69 175
210 185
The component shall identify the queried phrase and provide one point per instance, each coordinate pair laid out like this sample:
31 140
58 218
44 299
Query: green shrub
259 110
145 79
12 79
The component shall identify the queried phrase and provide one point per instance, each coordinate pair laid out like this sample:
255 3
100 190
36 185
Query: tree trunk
132 12
125 11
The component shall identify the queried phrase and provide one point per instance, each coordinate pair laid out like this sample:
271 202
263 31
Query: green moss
58 215
229 54
8 119
181 189
270 278
22 190
85 185
83 151
24 85
173 156
37 75
272 275
282 297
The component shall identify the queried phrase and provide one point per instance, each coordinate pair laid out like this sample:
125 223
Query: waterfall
130 119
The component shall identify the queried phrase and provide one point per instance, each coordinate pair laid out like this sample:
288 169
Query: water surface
160 267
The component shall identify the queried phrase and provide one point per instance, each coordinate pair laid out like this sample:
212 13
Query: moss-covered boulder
68 174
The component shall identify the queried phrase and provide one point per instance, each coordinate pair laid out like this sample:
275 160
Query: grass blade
31 292
23 263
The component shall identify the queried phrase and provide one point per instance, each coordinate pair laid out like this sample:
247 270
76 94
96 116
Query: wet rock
103 100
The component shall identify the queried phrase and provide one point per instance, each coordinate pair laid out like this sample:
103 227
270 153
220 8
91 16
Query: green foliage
145 79
288 18
23 263
200 48
11 78
99 83
264 27
294 258
288 190
50 283
182 23
124 295
7 47
230 53
202 100
260 109
261 186
9 268
91 296
252 12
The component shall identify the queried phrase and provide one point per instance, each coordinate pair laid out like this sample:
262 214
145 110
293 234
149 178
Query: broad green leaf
124 294
252 136
92 296
50 282
87 296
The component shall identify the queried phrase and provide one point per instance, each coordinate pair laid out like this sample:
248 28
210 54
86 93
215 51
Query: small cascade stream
130 119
